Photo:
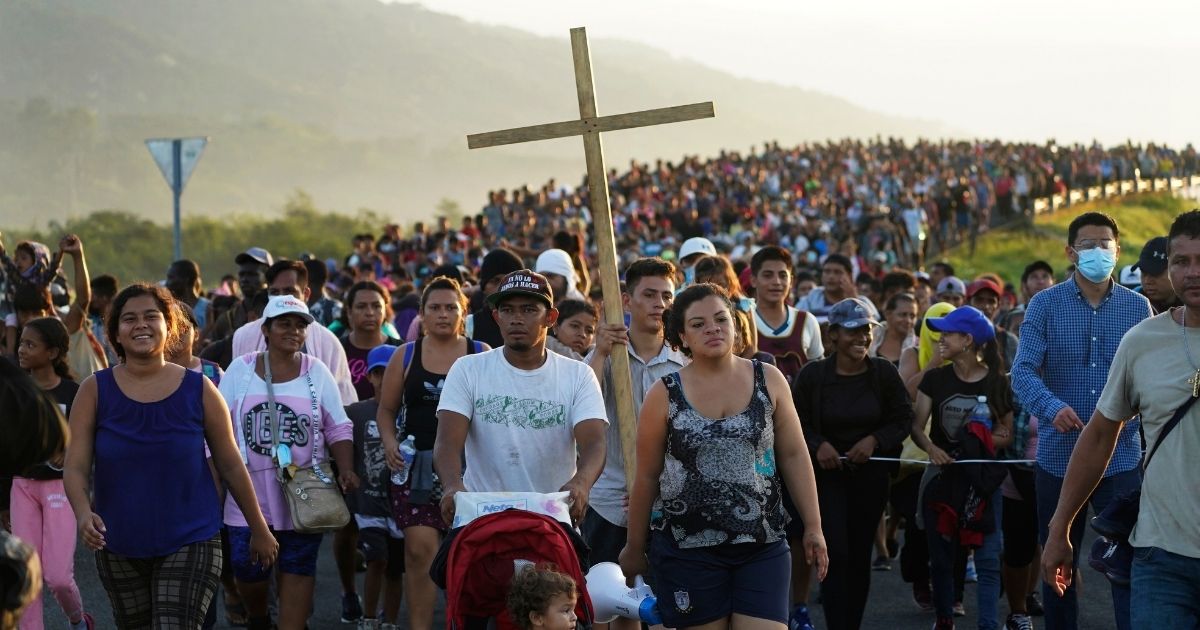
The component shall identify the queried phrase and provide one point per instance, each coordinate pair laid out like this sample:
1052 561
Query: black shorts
704 584
377 543
605 539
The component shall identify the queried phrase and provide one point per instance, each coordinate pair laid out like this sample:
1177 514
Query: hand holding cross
589 125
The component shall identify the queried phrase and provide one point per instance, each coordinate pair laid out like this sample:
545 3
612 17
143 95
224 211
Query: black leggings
851 503
1019 521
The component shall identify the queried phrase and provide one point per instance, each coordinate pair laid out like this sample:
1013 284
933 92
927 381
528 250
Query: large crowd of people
808 376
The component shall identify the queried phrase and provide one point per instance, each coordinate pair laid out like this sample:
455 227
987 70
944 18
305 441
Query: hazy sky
1019 69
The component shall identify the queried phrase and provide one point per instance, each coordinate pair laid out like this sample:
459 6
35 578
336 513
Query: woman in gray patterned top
707 462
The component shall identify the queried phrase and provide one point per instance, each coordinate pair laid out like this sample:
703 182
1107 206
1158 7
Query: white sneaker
368 624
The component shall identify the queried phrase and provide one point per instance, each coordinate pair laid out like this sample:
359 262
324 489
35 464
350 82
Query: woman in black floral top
709 439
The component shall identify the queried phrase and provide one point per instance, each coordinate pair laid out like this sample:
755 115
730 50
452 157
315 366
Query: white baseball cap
697 245
1130 277
286 305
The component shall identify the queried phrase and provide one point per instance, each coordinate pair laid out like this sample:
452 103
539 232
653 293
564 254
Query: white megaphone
611 598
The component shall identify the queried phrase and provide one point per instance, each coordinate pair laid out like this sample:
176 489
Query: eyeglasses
1087 244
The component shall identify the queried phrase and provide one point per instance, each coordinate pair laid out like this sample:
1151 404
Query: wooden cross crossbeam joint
596 124
589 126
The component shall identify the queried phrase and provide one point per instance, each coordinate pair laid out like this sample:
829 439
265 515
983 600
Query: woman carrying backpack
413 382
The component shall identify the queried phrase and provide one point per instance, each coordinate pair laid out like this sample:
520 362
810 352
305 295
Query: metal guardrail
1112 189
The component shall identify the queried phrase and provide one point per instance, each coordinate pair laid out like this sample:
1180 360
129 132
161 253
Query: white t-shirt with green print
521 432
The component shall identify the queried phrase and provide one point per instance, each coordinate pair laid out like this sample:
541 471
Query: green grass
1007 250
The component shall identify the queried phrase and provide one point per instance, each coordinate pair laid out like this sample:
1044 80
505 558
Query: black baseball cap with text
523 282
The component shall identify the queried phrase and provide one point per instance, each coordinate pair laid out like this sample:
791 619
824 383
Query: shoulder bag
314 499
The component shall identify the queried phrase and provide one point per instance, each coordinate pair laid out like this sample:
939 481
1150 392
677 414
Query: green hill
360 103
1007 250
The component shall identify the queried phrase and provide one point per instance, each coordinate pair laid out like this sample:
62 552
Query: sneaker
1018 622
972 574
368 624
923 597
1113 559
944 623
1115 521
799 619
351 608
960 610
1033 605
882 564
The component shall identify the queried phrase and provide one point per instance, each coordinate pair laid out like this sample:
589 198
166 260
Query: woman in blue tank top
155 518
709 439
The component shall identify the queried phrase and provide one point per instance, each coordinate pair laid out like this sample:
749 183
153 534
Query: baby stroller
476 564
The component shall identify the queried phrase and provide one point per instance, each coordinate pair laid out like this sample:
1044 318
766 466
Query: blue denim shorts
701 585
297 554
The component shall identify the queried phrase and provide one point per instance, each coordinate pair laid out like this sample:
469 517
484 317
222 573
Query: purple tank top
152 484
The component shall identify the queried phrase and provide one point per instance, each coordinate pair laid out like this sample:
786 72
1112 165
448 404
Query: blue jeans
987 565
1165 588
1062 612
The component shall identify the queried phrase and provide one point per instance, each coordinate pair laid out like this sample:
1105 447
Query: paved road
890 606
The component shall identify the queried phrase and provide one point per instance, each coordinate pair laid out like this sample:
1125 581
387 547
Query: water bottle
408 451
981 412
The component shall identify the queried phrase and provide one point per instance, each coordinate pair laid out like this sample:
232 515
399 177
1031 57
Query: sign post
588 126
176 158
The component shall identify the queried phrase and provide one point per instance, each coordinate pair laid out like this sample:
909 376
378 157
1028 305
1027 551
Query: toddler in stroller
478 562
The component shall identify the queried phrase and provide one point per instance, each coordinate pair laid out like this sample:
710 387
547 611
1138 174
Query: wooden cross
589 126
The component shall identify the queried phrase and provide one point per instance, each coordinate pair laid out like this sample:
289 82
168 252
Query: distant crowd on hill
882 204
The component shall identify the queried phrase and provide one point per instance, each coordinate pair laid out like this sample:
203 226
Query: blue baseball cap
967 320
379 356
852 313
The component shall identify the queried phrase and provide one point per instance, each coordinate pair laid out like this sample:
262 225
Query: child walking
41 515
379 537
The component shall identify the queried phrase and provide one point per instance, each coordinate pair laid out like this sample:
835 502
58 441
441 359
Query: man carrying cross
589 125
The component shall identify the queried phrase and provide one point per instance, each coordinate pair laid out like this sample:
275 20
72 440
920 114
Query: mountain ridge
360 103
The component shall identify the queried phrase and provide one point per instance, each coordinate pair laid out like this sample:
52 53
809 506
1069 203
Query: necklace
1194 379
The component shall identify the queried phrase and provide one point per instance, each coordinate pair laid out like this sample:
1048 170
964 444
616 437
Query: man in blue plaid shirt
1068 339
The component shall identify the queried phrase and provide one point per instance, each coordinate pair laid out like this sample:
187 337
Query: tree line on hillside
133 248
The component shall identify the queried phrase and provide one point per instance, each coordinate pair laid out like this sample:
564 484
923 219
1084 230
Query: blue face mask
1096 264
689 276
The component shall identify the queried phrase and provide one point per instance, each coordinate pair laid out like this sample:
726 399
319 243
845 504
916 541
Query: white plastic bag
469 506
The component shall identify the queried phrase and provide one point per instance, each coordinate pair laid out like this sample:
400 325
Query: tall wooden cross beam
589 126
